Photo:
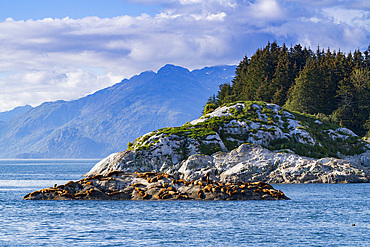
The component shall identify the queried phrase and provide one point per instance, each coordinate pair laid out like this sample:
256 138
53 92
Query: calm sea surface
317 215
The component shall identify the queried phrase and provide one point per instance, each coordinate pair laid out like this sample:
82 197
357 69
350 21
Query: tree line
332 85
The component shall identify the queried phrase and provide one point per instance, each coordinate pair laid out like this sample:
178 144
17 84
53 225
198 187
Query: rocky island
231 153
118 185
248 141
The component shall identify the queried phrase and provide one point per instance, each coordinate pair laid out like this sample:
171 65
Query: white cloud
190 1
269 9
59 83
341 15
50 59
211 17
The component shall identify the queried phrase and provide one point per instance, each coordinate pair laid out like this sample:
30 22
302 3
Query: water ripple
317 215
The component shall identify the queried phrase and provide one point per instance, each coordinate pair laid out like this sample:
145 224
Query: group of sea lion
118 185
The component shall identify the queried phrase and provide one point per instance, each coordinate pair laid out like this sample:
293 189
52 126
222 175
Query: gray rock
250 163
196 149
155 186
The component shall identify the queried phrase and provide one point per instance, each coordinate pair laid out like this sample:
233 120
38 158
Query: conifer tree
325 83
282 79
354 93
224 94
303 95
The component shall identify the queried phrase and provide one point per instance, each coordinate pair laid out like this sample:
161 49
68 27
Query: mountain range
104 122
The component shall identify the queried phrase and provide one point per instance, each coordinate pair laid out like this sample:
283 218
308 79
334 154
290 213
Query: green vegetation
236 129
331 85
210 107
199 132
329 148
130 146
209 148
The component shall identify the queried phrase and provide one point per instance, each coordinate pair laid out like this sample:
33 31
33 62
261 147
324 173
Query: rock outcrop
155 186
249 163
250 141
221 156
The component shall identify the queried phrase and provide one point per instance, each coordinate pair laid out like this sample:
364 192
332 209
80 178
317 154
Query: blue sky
76 9
66 49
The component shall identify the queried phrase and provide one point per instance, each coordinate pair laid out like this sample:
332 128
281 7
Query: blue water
317 215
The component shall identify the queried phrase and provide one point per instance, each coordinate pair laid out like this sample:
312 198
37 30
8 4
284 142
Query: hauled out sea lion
155 186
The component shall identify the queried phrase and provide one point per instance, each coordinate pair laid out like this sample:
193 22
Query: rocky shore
222 156
250 163
248 142
118 185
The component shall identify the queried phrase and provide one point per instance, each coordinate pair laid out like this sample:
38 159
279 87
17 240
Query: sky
67 49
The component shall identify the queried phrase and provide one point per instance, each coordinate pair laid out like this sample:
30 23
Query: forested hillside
332 85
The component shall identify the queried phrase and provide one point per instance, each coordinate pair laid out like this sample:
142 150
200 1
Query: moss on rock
263 124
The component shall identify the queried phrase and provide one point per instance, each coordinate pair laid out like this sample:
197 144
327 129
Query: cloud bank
50 59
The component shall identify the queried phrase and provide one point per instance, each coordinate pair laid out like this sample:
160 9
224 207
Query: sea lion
183 197
201 194
179 181
138 185
95 177
171 188
163 194
207 188
146 174
167 176
70 183
116 172
146 196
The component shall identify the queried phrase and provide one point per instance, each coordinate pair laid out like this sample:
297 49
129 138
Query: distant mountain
104 122
9 115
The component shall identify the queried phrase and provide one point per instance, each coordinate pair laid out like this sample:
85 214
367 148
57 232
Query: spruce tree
327 83
354 94
225 94
303 95
282 79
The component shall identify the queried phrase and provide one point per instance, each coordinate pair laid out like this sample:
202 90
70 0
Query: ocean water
316 215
